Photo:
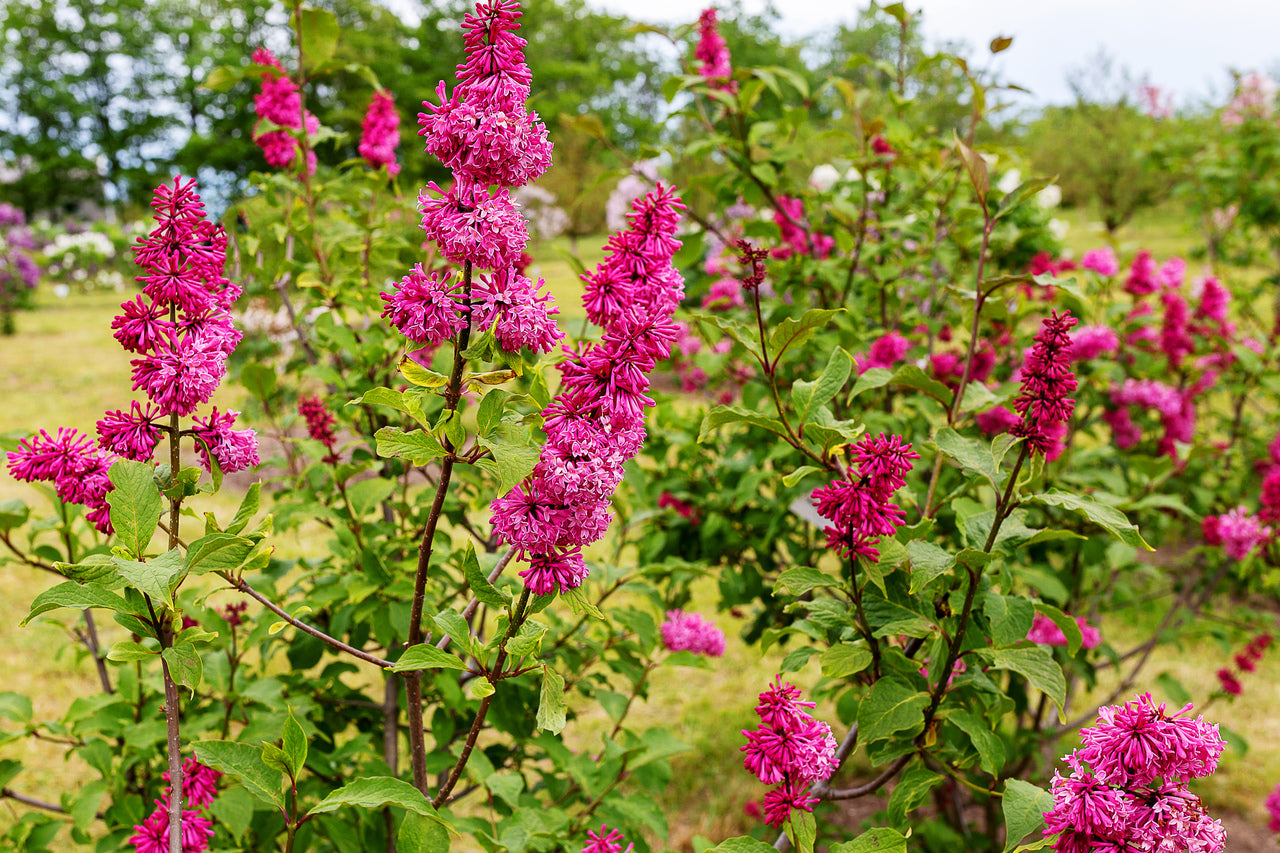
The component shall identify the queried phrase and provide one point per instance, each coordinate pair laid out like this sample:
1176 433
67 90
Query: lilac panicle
1047 380
789 749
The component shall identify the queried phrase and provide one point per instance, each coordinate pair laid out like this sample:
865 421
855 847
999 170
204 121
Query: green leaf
1036 665
799 474
79 596
480 687
976 167
258 379
457 629
740 332
421 835
489 413
1100 514
484 591
368 494
245 763
506 786
882 839
233 809
891 618
319 35
513 459
1010 617
157 577
217 552
528 640
427 656
16 707
988 744
844 660
247 510
13 513
801 579
1024 809
875 377
551 707
125 651
417 446
185 666
386 397
374 792
911 376
95 568
807 396
891 706
578 601
911 791
135 504
421 376
973 456
1173 688
721 415
224 77
802 829
928 562
294 745
793 331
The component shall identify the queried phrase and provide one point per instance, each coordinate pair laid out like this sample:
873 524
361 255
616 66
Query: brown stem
517 619
872 786
243 586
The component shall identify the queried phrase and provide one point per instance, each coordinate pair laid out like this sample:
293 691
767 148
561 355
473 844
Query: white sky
1185 46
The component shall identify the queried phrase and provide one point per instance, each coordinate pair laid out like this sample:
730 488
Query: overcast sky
1185 46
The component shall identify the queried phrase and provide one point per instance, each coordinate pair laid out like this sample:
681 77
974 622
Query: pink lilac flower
1089 342
1174 338
606 841
691 632
789 749
724 293
1127 789
233 449
521 316
1230 684
1142 275
1171 273
152 835
425 308
472 225
597 420
380 133
1240 532
1102 261
1273 809
1214 300
860 512
484 133
1124 432
997 420
1046 632
795 234
886 351
320 424
1047 379
133 435
77 469
199 783
713 53
280 104
1255 97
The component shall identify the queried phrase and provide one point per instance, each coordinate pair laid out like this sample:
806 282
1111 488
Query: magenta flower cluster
489 139
693 633
1239 532
606 841
199 787
596 423
789 749
1046 632
1047 380
713 53
380 133
279 106
1127 787
320 422
859 509
181 327
1245 661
